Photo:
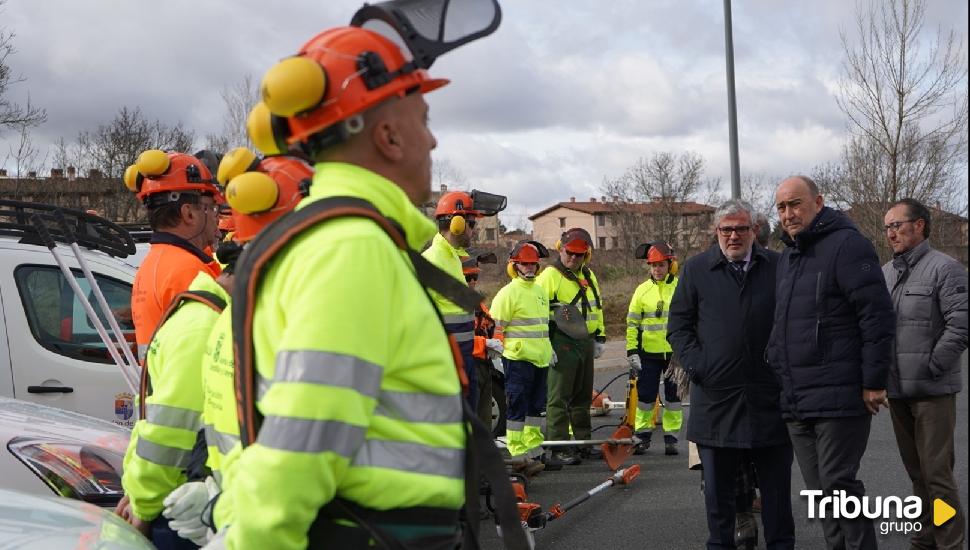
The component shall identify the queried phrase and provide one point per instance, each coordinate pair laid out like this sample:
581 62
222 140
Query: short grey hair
733 206
764 229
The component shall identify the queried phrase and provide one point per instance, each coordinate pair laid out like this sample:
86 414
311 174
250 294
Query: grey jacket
929 291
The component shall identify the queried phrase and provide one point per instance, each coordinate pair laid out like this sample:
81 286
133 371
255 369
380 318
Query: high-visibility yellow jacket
161 444
521 312
219 416
646 320
448 258
362 398
561 290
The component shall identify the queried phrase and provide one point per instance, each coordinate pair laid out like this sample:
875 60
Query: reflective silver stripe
142 351
633 324
524 334
654 328
634 316
173 417
303 435
455 318
593 317
674 406
222 441
464 336
329 369
653 315
419 407
527 322
536 421
412 457
262 386
516 425
645 407
162 455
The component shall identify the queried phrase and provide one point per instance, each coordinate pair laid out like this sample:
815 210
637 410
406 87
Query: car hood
23 418
42 523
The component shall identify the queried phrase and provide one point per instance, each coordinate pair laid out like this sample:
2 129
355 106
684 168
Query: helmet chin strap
523 275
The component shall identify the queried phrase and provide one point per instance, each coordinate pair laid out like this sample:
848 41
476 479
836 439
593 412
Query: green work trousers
570 390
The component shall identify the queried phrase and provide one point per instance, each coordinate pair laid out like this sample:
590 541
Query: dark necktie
737 268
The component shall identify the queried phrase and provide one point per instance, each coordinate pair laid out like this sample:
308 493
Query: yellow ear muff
510 269
131 178
674 267
293 86
153 162
559 245
235 162
457 225
263 132
252 192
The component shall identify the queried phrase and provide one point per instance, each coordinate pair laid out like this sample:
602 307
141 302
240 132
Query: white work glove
495 344
184 507
598 349
218 542
554 359
634 361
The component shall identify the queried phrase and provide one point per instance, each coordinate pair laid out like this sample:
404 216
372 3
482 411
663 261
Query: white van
50 353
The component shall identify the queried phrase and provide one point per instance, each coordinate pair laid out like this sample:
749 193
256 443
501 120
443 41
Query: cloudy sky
563 95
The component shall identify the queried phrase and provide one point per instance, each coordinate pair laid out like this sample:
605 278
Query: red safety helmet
576 240
158 177
339 73
525 252
260 191
660 252
456 203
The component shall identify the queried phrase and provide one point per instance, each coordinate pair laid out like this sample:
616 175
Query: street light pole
732 103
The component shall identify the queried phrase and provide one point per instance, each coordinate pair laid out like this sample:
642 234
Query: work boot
644 444
552 463
670 445
745 530
566 458
594 453
529 467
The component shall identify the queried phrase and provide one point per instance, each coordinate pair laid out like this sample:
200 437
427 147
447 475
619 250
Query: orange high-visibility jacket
170 266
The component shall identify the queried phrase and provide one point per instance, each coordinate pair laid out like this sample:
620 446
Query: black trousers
829 451
773 469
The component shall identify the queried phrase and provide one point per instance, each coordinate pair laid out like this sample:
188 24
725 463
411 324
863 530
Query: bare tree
651 200
11 113
444 172
238 100
112 147
906 104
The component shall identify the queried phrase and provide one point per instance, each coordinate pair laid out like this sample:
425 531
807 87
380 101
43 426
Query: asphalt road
664 507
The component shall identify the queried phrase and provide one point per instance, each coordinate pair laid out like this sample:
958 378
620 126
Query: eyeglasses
470 223
208 207
574 254
894 226
471 278
739 229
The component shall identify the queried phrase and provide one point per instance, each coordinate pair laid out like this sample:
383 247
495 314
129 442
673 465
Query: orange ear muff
294 85
457 225
267 131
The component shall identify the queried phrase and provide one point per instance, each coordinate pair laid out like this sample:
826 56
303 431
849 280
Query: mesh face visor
489 204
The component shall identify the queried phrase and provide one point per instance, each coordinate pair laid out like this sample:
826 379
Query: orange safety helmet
525 252
260 191
456 203
338 74
158 177
658 251
576 240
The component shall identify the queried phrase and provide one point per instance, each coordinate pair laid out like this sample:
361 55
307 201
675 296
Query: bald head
798 202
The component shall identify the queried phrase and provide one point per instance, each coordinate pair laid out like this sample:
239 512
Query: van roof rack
92 232
140 232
